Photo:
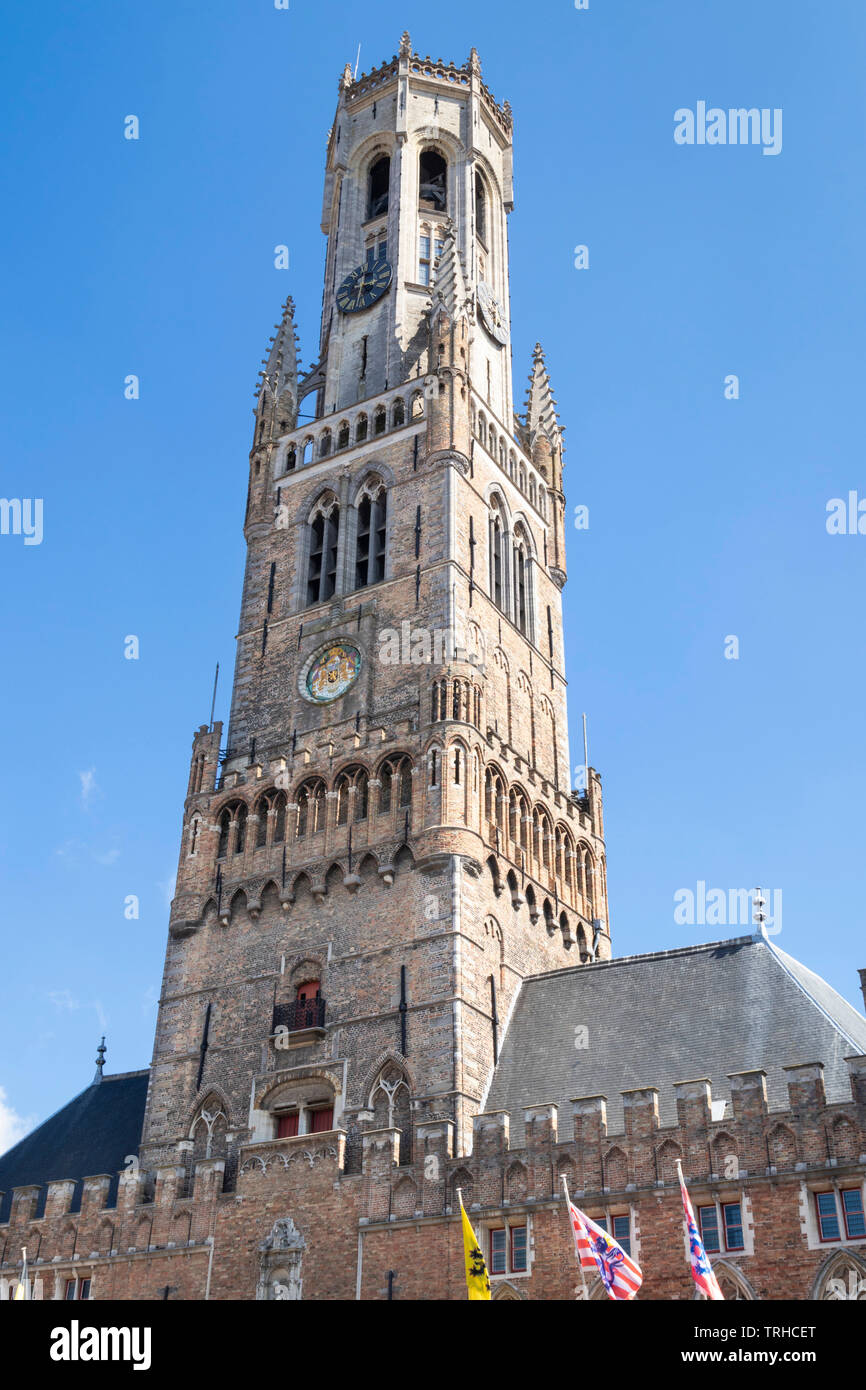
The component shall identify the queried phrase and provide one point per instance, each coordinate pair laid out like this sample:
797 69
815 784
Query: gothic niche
280 1255
208 1131
391 1103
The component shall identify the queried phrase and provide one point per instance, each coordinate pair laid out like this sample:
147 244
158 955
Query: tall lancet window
497 556
521 582
324 536
480 210
378 182
371 535
432 181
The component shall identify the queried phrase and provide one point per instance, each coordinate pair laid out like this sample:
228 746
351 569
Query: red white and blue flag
702 1270
599 1253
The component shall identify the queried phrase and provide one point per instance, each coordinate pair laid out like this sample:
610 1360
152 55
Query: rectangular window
497 1250
424 260
619 1227
287 1125
70 1289
84 1288
322 1120
518 1249
852 1206
622 1232
733 1226
828 1217
708 1220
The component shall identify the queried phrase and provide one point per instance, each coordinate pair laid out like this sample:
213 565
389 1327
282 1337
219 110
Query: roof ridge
777 954
644 955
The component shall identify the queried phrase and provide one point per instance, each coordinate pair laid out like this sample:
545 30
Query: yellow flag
477 1282
22 1288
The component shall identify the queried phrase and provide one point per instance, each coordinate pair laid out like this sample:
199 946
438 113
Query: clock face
491 314
363 286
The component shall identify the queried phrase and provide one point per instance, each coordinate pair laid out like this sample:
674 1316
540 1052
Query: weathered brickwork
391 1216
365 881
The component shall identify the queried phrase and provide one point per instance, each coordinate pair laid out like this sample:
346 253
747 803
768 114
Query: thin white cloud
12 1125
106 857
64 999
88 786
167 886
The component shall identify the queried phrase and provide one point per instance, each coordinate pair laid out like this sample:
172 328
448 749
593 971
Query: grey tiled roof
93 1134
673 1016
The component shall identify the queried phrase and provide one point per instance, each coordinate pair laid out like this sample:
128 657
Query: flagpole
701 1295
579 1261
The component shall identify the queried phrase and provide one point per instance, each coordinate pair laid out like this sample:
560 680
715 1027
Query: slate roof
652 1020
93 1134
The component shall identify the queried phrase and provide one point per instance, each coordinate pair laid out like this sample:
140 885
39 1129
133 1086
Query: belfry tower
387 840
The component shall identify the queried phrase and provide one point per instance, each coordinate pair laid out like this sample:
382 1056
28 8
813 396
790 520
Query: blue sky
707 516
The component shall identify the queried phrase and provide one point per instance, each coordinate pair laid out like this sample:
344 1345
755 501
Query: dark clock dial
491 313
363 286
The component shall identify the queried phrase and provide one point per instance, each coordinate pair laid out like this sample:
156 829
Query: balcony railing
301 1014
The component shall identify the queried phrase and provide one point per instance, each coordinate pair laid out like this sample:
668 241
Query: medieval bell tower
387 841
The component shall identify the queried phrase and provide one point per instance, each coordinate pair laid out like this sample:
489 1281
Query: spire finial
759 916
346 79
405 44
100 1060
474 62
540 415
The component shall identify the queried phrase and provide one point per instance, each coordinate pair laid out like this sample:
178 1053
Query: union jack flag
702 1270
598 1252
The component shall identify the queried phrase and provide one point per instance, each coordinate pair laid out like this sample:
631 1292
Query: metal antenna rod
213 701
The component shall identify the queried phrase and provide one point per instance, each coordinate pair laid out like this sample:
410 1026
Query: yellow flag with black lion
477 1282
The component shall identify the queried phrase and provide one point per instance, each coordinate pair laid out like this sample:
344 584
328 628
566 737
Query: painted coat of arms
332 673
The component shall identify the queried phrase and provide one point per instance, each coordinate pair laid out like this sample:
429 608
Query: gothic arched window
371 534
353 780
241 830
360 429
378 183
322 563
480 210
343 434
225 821
432 181
395 781
497 556
494 797
521 582
279 805
311 808
262 827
